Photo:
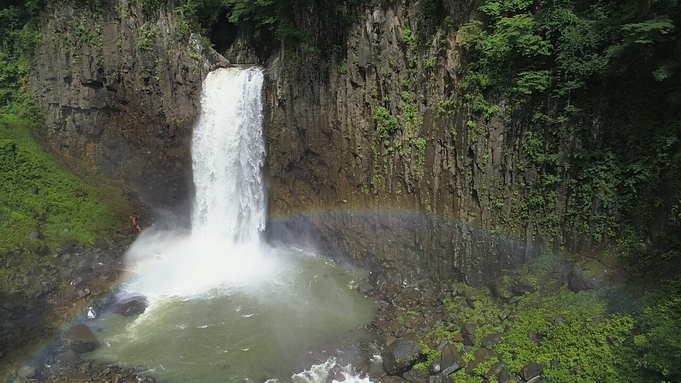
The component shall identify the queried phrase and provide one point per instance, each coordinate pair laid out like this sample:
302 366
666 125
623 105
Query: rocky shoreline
33 317
422 332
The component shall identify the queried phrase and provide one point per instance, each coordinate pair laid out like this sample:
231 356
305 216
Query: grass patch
39 195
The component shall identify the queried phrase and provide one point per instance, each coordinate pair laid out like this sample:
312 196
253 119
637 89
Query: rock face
372 136
120 91
376 143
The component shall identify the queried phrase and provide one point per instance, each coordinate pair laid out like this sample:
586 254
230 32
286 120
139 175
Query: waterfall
228 153
225 306
223 249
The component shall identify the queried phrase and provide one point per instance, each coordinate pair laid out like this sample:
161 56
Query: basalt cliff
373 152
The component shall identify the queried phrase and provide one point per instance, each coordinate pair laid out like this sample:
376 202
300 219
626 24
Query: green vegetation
600 78
589 336
41 202
38 195
18 36
146 38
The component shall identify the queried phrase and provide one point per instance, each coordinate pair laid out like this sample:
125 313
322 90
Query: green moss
37 194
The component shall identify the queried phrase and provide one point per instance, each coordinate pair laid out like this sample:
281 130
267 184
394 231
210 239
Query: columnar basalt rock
120 91
379 134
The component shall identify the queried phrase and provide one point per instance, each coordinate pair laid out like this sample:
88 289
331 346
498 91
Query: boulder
26 372
469 339
335 374
451 360
577 283
532 370
402 354
80 338
66 357
491 339
536 338
131 306
522 288
469 328
503 376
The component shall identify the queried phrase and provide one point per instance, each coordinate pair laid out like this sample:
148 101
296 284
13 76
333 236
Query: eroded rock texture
120 90
377 132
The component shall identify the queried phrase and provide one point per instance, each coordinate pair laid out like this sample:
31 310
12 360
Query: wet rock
393 379
491 339
26 372
416 375
67 357
451 360
335 374
532 370
400 355
80 339
78 377
131 306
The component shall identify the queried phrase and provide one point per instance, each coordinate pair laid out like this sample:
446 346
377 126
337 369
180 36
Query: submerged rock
66 357
80 339
402 354
26 372
131 306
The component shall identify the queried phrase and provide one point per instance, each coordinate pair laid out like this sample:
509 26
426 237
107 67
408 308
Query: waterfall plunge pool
235 334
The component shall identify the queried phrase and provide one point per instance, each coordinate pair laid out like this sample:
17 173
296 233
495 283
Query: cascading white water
225 307
228 154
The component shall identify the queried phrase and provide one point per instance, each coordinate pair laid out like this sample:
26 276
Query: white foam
318 373
223 249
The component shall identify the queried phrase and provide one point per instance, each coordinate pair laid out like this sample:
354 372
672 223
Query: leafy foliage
659 341
18 36
605 76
